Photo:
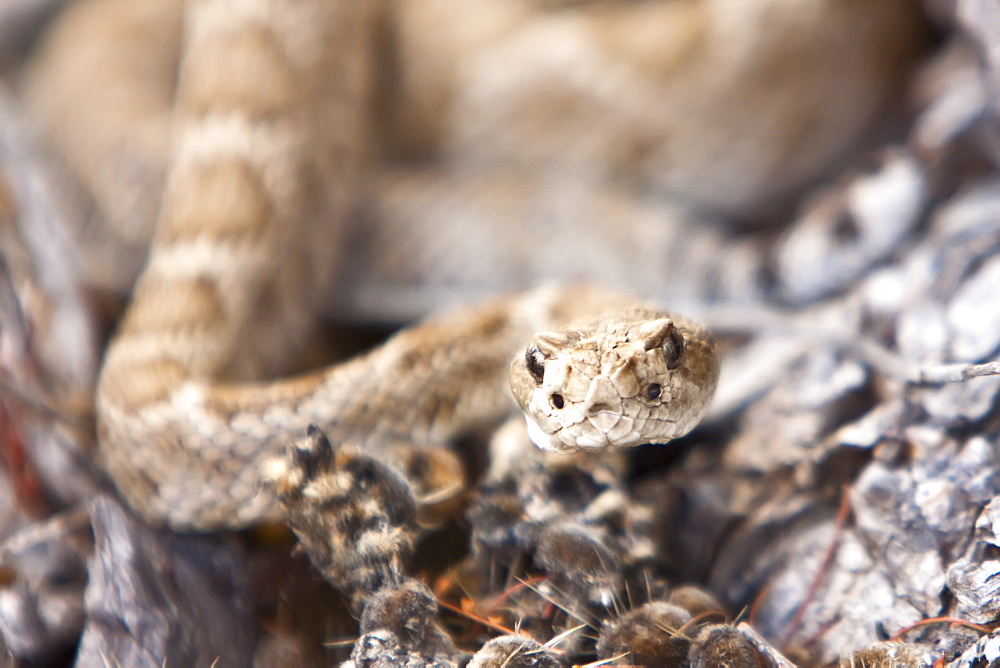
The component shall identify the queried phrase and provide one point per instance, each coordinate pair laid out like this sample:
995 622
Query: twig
698 619
824 568
770 655
477 619
889 363
606 662
761 319
552 642
506 594
955 621
954 373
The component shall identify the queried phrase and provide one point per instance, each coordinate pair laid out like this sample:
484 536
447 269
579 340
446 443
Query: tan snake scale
269 143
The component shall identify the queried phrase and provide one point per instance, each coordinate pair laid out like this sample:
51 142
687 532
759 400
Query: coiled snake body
266 152
193 456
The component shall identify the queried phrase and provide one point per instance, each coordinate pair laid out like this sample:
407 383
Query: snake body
266 150
243 128
265 154
193 456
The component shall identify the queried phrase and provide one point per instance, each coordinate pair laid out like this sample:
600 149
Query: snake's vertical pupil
535 361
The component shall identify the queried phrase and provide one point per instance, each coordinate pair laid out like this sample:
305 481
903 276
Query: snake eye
664 335
673 349
558 401
535 361
654 391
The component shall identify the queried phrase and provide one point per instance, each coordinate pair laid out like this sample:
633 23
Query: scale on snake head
642 377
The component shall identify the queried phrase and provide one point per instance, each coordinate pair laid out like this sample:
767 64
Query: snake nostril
557 401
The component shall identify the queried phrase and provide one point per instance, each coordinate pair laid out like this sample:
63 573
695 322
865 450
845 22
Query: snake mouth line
562 428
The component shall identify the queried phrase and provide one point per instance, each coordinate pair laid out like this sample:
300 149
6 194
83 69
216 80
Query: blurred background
656 146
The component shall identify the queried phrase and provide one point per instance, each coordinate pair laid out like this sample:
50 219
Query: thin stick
761 319
941 620
831 552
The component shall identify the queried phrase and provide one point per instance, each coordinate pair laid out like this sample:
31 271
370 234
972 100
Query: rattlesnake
263 158
269 135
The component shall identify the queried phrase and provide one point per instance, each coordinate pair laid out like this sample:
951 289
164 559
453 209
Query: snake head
643 377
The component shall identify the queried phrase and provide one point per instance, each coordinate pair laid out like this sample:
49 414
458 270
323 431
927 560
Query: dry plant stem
953 373
771 655
751 617
698 619
27 487
831 552
892 365
606 662
941 620
512 590
764 320
555 640
479 620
